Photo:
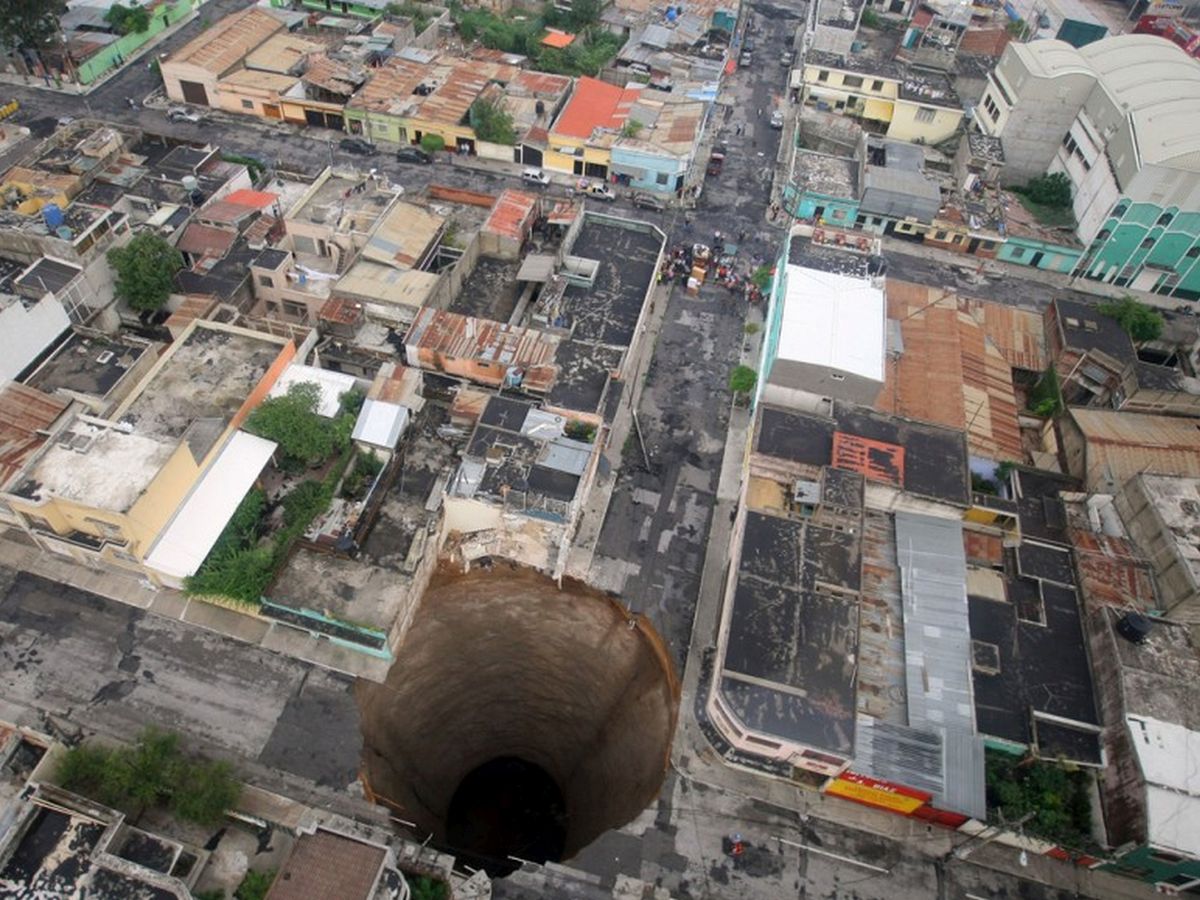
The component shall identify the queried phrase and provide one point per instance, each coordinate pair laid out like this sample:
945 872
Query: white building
1121 117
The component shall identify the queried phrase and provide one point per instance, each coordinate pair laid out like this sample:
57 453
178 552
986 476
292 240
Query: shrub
1045 399
241 575
204 791
1057 797
742 380
492 122
1049 190
762 277
870 18
128 19
432 143
145 269
1140 322
255 885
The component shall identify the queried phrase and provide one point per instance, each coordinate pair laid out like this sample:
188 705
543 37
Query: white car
600 191
183 114
535 176
777 119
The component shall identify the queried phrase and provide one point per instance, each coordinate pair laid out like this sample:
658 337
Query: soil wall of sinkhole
503 664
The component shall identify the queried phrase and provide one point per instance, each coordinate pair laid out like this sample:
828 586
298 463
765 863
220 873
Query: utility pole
973 843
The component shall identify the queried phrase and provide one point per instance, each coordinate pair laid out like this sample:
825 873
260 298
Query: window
1069 143
1120 209
987 245
266 281
295 310
926 114
851 81
247 104
1147 243
1104 235
108 529
837 376
272 308
939 235
837 214
662 178
1165 219
877 85
1164 857
1018 252
993 110
1193 253
823 75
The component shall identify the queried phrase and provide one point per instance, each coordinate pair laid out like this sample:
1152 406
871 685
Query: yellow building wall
448 133
905 126
151 511
836 80
231 97
562 162
879 110
66 515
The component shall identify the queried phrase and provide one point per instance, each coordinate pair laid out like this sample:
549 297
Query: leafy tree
742 380
304 502
870 19
128 19
1049 190
30 24
761 277
420 18
1057 796
433 143
145 268
204 791
631 128
1140 322
350 402
254 886
292 421
426 888
492 122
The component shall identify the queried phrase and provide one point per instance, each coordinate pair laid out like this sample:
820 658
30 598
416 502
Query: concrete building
150 487
1148 789
824 332
191 73
1162 516
890 98
894 184
1100 115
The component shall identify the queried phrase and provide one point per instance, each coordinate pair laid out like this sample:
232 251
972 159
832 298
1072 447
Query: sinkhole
519 720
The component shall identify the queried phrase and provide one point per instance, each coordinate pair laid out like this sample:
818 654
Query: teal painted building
1146 247
1036 254
125 47
367 9
1158 867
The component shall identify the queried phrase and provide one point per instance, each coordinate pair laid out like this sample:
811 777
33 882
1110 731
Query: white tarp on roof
332 385
1169 757
380 424
197 524
833 320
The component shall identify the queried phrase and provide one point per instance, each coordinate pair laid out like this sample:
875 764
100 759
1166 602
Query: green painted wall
1039 254
1154 867
121 50
1144 234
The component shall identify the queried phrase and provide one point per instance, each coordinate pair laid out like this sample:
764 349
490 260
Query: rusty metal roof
222 46
324 864
512 214
24 412
454 336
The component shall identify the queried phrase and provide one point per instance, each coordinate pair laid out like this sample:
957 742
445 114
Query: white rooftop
833 320
1169 756
380 423
332 385
199 521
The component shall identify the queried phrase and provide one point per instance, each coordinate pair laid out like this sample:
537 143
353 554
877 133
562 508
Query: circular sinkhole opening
519 719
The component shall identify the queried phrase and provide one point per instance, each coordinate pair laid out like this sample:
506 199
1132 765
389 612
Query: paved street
79 657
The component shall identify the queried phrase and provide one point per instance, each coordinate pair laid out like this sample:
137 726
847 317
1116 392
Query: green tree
631 128
242 574
426 888
1140 322
204 791
433 143
1049 190
145 268
492 122
128 19
30 24
742 380
292 421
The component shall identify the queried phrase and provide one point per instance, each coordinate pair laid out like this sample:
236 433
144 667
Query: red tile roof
595 104
557 39
24 411
255 199
205 240
512 215
985 41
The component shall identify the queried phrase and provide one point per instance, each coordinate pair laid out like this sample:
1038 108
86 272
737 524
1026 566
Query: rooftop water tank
1134 627
190 183
52 216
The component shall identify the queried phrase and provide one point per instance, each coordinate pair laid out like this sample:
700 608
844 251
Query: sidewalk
246 627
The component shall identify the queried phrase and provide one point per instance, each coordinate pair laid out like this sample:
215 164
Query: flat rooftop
923 459
207 376
820 173
345 203
97 466
87 365
789 667
1177 502
490 291
831 258
603 318
917 85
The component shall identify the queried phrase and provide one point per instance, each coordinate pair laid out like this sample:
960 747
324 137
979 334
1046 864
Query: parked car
777 119
745 59
535 176
183 114
63 121
648 201
716 161
787 58
357 146
598 190
413 155
748 45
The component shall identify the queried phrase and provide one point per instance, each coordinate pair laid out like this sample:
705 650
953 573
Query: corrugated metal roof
1121 445
223 45
512 215
937 630
24 411
566 455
